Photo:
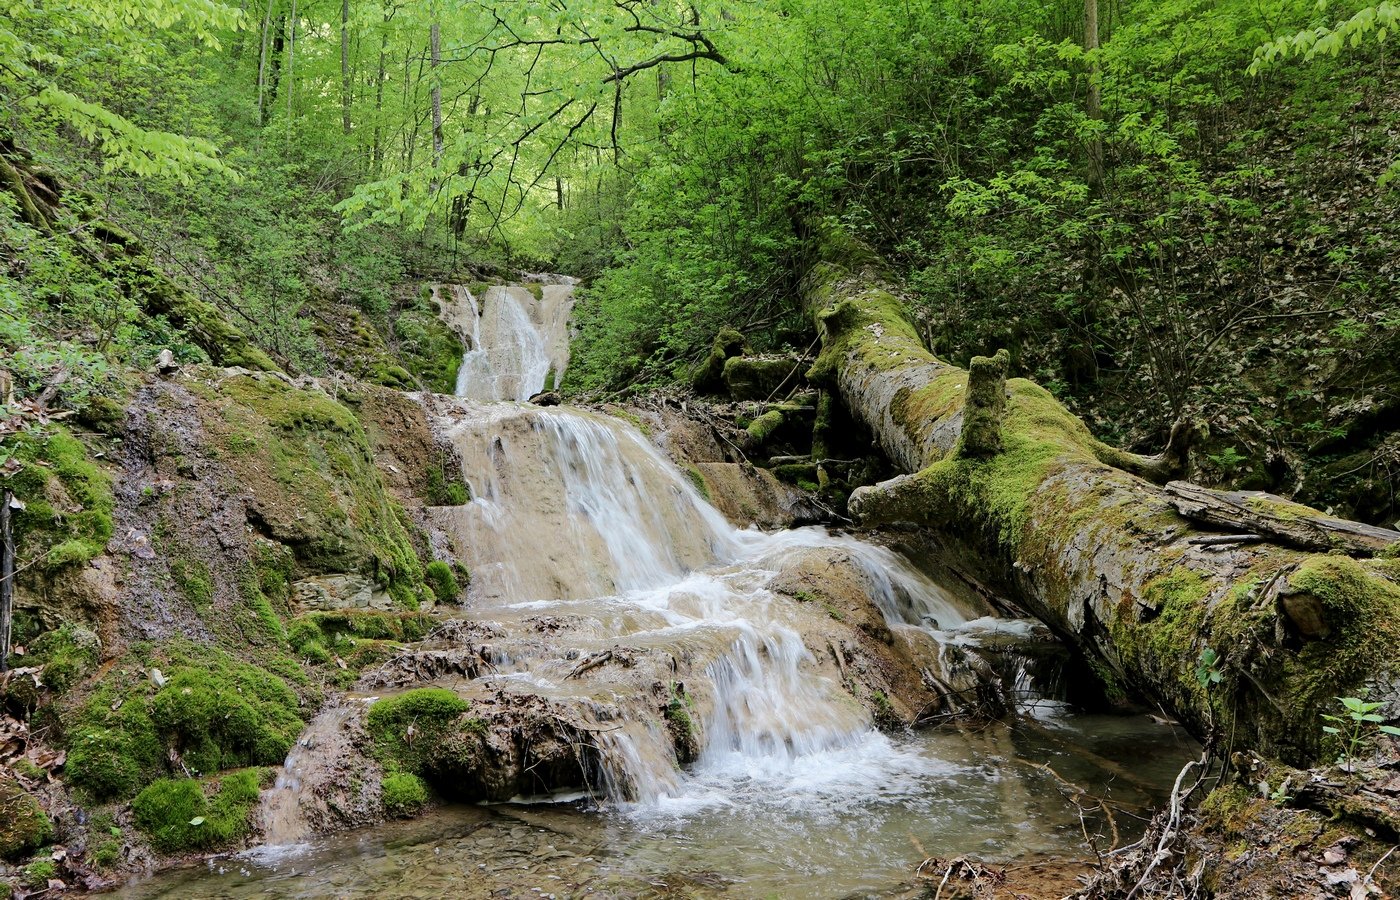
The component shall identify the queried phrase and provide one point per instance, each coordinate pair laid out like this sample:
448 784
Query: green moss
404 794
758 378
307 463
698 480
795 473
179 815
36 875
443 583
446 489
107 854
431 351
708 376
194 581
221 717
67 654
432 713
67 519
763 428
1363 647
24 827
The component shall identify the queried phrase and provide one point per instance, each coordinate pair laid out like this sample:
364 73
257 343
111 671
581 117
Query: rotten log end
985 408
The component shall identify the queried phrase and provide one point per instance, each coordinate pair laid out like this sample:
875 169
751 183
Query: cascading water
577 515
516 336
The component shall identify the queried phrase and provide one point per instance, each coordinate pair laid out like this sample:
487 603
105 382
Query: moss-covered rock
306 463
187 814
760 377
227 716
404 794
66 654
24 826
68 500
210 712
430 350
708 376
431 713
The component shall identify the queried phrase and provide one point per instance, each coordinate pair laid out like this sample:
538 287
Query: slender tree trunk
262 63
1093 103
291 65
379 75
436 50
1025 500
7 577
345 65
274 65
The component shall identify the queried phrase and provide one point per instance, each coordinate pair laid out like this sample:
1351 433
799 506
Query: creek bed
850 822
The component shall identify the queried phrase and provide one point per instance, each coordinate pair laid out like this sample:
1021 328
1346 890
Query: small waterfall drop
517 336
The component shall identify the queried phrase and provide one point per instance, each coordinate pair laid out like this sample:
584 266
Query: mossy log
1078 533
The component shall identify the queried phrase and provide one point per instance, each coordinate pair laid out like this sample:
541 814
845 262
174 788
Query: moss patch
67 519
404 794
432 713
187 814
24 827
213 711
1363 612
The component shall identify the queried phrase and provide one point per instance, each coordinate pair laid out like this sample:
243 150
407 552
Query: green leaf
197 820
1330 730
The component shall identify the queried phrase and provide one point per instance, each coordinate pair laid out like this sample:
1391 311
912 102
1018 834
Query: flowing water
582 535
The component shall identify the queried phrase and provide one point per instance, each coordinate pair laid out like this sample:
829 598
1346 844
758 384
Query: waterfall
578 517
516 336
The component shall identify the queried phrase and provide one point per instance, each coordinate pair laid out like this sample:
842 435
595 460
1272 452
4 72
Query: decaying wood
1084 537
1275 517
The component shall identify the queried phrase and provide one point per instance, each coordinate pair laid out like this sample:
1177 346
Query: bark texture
1076 532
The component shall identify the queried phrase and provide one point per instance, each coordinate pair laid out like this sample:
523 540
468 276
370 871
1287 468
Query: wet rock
329 592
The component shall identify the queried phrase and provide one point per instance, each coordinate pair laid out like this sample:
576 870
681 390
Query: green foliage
1208 668
404 794
1357 727
178 815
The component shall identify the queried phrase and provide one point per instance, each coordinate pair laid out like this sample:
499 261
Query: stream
588 546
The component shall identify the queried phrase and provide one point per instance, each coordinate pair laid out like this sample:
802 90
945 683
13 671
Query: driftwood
1086 538
1277 518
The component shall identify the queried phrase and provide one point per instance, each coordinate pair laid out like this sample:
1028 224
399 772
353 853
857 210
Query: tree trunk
1074 531
436 37
1093 103
345 66
7 577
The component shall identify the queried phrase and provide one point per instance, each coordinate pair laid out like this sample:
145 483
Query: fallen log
1025 499
1276 517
